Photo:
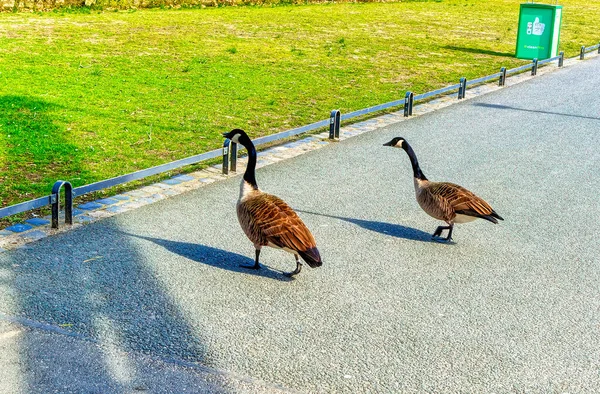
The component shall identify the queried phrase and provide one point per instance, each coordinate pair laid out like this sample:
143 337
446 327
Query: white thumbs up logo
538 28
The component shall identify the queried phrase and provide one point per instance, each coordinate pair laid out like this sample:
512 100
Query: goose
444 200
267 220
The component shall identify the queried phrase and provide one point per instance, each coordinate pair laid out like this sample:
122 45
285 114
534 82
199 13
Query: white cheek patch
235 138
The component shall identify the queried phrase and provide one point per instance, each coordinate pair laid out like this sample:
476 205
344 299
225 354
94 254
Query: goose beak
225 135
388 144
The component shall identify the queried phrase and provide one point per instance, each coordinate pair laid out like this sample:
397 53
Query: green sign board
539 31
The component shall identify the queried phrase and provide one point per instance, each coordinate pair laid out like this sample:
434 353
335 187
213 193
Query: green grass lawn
88 96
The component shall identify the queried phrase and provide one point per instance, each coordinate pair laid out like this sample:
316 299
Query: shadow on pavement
94 283
394 230
500 106
214 257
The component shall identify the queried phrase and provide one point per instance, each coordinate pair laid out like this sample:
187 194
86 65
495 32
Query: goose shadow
394 230
214 257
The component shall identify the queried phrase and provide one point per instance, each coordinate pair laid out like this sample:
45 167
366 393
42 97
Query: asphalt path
507 307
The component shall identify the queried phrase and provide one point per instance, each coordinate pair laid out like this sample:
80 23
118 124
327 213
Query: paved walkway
153 299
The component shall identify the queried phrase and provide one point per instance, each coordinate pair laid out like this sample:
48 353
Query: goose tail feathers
312 257
495 214
492 217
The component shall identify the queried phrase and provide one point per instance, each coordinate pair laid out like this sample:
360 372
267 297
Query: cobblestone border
21 234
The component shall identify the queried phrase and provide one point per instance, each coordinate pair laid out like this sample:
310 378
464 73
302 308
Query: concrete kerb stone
20 234
19 228
37 221
35 235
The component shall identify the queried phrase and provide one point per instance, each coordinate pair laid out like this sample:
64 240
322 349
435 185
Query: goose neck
250 173
417 172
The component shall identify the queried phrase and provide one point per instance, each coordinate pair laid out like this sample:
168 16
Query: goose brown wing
462 200
273 221
435 205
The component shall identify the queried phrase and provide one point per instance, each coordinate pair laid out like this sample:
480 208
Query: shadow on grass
500 106
36 151
214 257
479 51
393 230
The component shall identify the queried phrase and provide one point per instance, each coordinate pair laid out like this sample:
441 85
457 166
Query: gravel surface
508 307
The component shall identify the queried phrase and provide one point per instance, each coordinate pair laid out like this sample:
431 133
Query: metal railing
585 50
229 151
54 198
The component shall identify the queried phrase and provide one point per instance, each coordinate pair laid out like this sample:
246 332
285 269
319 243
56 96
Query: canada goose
443 200
267 220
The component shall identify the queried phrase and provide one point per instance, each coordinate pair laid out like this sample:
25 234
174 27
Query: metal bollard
409 99
55 201
561 60
534 67
334 124
582 53
225 164
502 80
233 149
462 88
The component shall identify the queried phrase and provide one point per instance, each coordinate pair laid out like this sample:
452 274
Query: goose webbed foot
296 271
438 232
256 265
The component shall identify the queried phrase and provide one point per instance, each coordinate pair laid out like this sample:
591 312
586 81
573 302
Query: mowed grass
89 96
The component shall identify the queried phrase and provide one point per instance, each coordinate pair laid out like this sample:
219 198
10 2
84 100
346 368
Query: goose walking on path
267 220
444 200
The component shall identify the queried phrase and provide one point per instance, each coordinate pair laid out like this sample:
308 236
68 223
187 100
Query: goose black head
397 142
237 136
